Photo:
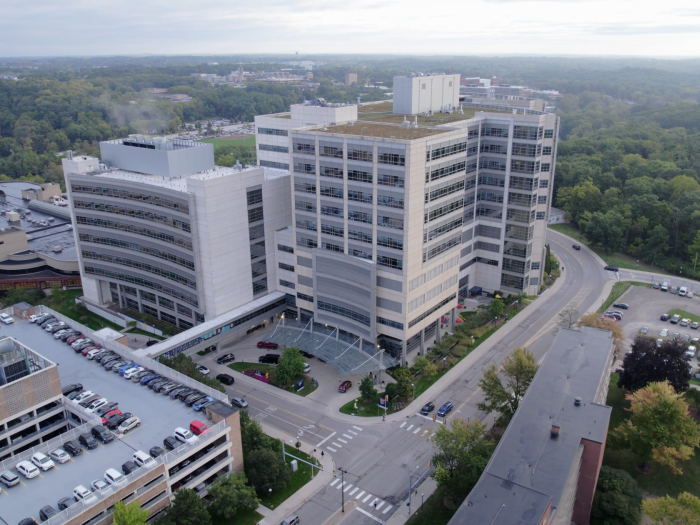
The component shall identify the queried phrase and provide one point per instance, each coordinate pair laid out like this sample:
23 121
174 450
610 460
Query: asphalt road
379 457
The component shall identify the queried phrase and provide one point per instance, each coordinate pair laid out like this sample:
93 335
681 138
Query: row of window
343 312
156 270
107 241
443 229
271 131
276 165
444 191
276 149
443 210
117 193
138 214
445 171
136 230
389 323
431 310
441 248
445 151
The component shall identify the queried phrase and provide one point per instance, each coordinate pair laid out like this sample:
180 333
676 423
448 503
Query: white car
42 461
144 460
99 486
83 396
92 353
690 352
33 318
689 295
6 319
184 435
52 325
113 477
203 369
58 334
99 403
685 322
80 493
664 332
28 470
132 371
128 425
307 368
77 343
59 456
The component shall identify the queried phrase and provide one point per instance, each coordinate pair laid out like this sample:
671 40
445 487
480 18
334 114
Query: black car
624 306
175 391
187 393
129 467
427 408
75 394
101 433
87 441
665 317
116 420
191 400
27 521
47 512
67 335
73 448
306 354
270 359
156 451
611 268
64 503
48 322
576 247
226 358
71 388
155 385
171 443
225 379
106 408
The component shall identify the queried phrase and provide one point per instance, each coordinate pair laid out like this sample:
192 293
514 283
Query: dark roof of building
222 409
529 467
22 306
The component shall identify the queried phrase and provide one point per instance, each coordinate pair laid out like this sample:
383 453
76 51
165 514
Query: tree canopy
683 510
618 498
646 363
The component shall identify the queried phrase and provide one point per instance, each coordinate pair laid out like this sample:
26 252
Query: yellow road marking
22 482
4 491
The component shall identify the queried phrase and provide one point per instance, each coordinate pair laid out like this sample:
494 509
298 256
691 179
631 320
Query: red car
73 338
344 386
85 350
267 344
115 412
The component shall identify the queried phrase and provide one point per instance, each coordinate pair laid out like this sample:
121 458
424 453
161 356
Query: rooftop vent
555 431
577 401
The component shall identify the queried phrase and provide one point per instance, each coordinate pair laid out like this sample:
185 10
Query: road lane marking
409 428
331 449
357 428
353 433
342 441
359 495
345 435
354 490
402 425
387 509
336 445
322 442
379 505
363 511
342 485
417 430
366 498
336 480
347 488
288 412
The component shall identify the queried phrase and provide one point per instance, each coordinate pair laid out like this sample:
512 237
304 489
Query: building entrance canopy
345 353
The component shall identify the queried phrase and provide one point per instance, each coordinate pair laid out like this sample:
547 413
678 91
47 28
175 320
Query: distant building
350 79
545 467
45 193
416 94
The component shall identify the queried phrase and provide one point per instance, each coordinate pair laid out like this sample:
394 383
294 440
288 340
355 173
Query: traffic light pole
342 491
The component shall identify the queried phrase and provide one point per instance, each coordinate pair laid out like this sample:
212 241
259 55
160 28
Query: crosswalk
416 429
335 445
372 503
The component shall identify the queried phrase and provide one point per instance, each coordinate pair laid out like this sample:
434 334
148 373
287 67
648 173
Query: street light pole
637 264
421 502
342 492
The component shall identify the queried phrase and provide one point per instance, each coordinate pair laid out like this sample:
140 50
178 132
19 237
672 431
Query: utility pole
342 491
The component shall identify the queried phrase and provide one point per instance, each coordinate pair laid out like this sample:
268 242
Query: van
270 359
292 519
682 291
143 460
197 427
674 289
664 287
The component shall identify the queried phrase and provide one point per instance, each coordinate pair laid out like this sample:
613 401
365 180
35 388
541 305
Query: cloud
622 29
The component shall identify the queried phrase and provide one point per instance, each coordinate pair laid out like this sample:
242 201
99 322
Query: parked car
685 338
73 338
203 369
685 322
655 286
47 512
307 368
624 306
85 351
113 477
59 333
175 392
575 246
675 319
664 332
690 352
675 335
42 461
102 434
125 368
27 521
82 494
187 393
194 398
143 460
445 409
643 330
6 319
344 386
129 467
269 359
47 322
694 325
171 443
611 268
169 388
9 479
65 337
151 342
140 375
427 408
33 318
226 358
185 436
239 402
55 328
306 354
665 317
71 388
83 396
98 485
674 289
104 409
87 401
74 394
156 451
106 417
73 448
28 470
131 372
689 294
225 379
95 405
129 424
87 441
198 428
267 344
114 421
64 503
150 377
199 405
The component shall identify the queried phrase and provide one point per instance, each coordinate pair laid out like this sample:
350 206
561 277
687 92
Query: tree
567 317
519 369
606 230
187 509
252 434
231 494
403 387
367 389
423 364
266 470
291 364
593 320
617 500
694 249
496 308
685 510
58 293
131 514
463 450
646 363
660 427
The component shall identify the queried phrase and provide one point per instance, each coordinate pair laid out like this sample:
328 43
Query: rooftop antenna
324 128
415 121
461 112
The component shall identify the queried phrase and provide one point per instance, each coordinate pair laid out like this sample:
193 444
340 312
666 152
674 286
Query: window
390 222
184 324
390 262
361 254
423 85
305 206
304 167
332 211
495 149
518 215
443 210
548 133
276 165
394 159
358 154
390 180
524 150
487 246
441 230
514 282
166 303
389 323
168 318
488 131
360 216
305 297
520 199
546 150
491 232
390 201
359 196
276 149
544 183
132 195
331 151
270 131
254 196
540 215
521 183
286 284
329 191
130 303
259 268
150 311
542 199
444 191
306 242
431 311
516 266
256 214
360 176
522 166
330 171
331 247
332 230
283 248
260 286
534 280
390 242
183 310
255 232
299 147
128 290
445 151
485 180
305 187
445 171
545 166
134 213
443 247
130 263
287 267
495 165
257 250
147 296
361 236
535 266
344 312
527 132
418 301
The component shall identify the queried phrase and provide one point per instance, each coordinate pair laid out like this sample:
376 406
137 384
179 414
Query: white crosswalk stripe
336 480
342 441
360 495
409 428
331 449
357 428
417 430
346 436
354 490
387 509
336 445
402 424
366 498
341 486
353 433
347 488
379 504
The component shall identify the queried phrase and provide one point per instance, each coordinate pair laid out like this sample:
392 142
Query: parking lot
159 417
646 306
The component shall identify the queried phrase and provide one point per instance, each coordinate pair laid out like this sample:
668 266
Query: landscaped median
269 373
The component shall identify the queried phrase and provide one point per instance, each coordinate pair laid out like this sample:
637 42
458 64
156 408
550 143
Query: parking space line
4 491
56 467
22 482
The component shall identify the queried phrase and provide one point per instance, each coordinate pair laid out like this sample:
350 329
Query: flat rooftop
383 112
159 417
529 468
376 129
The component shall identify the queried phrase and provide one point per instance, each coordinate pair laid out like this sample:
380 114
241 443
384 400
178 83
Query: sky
666 28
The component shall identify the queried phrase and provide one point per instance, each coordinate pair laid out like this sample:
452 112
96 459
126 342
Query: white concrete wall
414 95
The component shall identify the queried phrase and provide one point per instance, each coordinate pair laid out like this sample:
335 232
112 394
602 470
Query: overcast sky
545 27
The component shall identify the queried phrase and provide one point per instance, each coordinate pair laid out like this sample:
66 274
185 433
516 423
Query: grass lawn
246 517
693 317
433 511
248 141
661 481
694 381
621 260
299 478
82 315
366 408
205 351
618 289
270 369
143 332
